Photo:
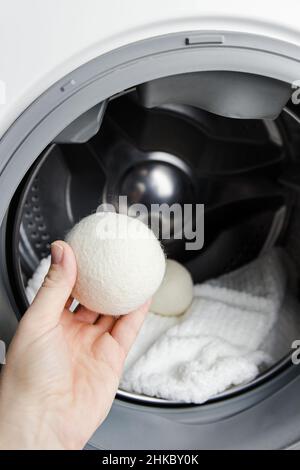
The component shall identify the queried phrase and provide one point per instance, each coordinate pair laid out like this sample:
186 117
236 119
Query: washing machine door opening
169 141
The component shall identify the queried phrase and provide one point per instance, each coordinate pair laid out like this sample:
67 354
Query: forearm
23 425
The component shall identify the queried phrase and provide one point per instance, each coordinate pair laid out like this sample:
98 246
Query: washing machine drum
154 152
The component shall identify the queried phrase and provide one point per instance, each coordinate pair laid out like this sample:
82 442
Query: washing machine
96 100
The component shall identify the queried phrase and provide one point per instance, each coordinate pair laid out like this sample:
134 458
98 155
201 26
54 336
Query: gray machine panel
265 417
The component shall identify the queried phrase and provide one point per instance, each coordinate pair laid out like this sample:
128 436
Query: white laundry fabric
237 325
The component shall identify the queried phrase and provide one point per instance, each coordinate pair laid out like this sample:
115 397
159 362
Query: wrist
22 428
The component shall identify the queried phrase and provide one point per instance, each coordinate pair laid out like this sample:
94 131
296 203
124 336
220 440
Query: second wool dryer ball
176 291
120 262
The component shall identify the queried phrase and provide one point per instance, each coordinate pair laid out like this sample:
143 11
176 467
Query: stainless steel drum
173 154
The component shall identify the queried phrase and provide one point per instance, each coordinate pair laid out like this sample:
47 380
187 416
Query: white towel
229 334
226 338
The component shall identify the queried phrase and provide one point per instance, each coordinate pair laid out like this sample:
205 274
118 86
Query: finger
52 297
67 315
127 327
105 323
69 302
107 352
85 315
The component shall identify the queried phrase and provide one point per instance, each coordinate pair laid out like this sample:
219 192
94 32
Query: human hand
62 369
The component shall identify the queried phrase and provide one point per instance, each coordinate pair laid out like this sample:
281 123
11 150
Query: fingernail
57 253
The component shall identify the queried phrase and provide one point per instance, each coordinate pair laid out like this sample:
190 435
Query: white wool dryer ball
176 291
120 262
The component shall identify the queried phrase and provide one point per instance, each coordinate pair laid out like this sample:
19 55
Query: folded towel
222 340
237 326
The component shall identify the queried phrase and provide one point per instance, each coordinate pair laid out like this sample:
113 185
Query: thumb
51 298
